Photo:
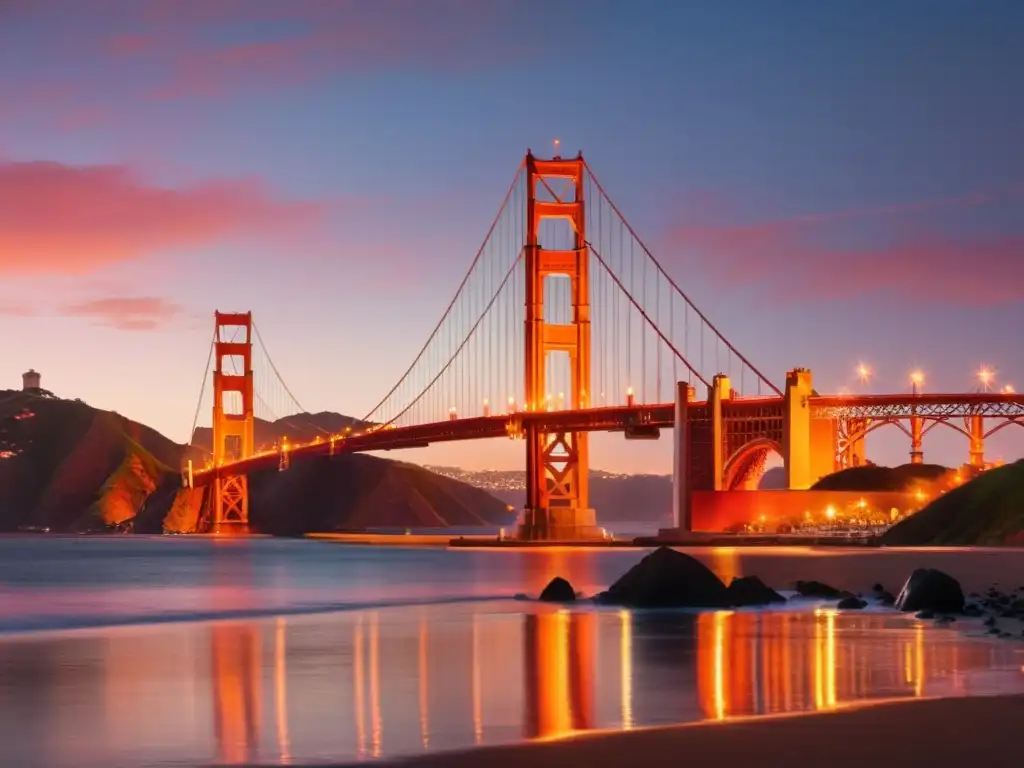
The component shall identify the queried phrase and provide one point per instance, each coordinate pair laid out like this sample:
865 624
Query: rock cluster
666 578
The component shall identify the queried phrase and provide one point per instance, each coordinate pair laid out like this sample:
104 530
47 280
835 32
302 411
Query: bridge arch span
746 460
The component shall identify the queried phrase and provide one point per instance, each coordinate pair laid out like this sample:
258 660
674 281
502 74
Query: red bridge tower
557 464
233 427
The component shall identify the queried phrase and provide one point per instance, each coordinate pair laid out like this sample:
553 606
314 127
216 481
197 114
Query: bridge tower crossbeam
557 464
233 425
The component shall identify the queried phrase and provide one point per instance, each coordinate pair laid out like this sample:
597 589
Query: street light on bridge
916 380
985 377
1008 389
863 373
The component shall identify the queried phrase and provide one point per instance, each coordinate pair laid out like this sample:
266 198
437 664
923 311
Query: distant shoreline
941 732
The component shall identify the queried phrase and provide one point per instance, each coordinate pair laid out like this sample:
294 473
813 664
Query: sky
832 183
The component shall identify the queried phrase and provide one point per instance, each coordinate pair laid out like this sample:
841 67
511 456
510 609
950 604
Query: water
177 651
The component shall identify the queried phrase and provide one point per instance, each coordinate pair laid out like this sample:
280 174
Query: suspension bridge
565 324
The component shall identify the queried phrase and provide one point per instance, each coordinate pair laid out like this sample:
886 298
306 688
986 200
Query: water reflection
400 681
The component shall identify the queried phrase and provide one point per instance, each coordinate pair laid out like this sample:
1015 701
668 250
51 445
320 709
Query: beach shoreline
937 731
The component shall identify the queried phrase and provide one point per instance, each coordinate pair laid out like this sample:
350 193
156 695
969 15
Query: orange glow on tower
556 464
233 426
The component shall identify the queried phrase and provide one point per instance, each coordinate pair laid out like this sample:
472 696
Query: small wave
68 623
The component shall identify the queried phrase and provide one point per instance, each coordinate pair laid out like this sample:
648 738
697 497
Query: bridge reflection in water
451 679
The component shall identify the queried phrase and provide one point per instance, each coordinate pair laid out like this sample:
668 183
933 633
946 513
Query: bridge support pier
976 428
682 492
916 432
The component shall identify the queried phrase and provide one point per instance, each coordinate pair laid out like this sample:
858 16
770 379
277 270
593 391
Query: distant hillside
69 467
987 511
300 428
877 478
348 492
617 498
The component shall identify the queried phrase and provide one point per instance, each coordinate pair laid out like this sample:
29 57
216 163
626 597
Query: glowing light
629 391
917 378
863 373
1008 389
830 512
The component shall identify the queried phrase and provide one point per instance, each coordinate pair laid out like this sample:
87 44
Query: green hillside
987 511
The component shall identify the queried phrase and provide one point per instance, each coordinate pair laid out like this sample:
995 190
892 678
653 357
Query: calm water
325 652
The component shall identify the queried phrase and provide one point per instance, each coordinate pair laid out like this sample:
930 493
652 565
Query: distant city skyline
841 192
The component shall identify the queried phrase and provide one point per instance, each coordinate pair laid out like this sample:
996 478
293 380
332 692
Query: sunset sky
831 182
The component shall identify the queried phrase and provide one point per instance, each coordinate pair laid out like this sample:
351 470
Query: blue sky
831 182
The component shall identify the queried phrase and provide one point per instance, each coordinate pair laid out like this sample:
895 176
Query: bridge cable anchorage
651 324
460 347
704 319
428 351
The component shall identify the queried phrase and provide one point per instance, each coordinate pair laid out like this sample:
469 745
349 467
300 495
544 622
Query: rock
924 615
668 579
1017 606
973 609
886 598
945 619
878 588
990 621
817 589
851 604
558 590
750 590
932 590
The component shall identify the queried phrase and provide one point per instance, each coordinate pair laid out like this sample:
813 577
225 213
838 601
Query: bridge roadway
618 418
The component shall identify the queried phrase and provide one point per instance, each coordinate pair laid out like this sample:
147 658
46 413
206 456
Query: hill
877 478
347 492
616 497
299 428
987 511
69 467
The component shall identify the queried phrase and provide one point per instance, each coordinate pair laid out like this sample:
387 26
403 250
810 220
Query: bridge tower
557 464
233 426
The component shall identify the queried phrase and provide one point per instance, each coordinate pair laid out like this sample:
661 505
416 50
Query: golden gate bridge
565 324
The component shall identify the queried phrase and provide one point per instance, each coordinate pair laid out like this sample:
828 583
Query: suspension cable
644 315
673 283
458 292
202 389
458 349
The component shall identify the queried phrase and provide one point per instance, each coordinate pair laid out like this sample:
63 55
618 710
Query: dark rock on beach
558 590
750 590
851 604
818 590
928 589
666 578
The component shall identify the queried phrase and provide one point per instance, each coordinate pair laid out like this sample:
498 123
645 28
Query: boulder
750 590
930 590
819 590
666 578
558 590
851 604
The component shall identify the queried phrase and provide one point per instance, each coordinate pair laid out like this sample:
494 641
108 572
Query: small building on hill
31 380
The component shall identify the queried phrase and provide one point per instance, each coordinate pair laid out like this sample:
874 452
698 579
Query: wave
70 622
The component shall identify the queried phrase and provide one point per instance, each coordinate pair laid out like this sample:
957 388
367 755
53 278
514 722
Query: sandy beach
939 732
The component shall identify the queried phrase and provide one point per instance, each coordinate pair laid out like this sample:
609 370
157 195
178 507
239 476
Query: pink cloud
142 313
62 219
802 258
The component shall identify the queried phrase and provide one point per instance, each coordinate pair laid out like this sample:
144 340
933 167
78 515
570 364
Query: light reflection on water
387 681
366 684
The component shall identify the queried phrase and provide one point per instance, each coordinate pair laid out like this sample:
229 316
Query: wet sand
939 732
